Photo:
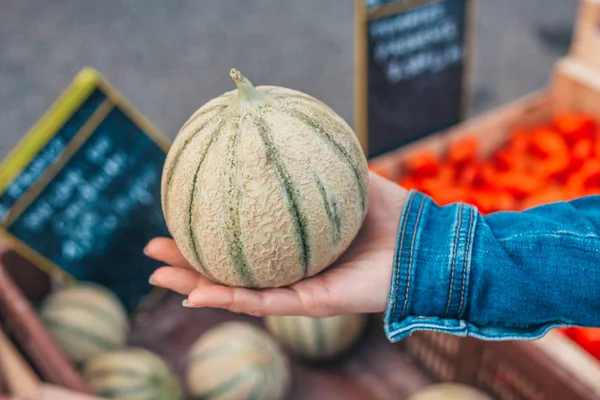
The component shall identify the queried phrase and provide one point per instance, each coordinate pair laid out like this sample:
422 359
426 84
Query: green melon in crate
85 320
132 374
237 361
449 391
317 338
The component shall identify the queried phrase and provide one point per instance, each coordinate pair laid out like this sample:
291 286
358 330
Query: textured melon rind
264 196
317 338
85 320
236 360
132 373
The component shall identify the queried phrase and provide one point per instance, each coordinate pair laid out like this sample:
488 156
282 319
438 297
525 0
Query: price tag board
80 194
412 75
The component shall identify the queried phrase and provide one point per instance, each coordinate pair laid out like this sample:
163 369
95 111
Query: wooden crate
574 86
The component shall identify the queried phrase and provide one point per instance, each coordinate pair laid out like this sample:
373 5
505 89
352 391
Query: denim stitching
398 255
556 234
464 276
410 259
457 234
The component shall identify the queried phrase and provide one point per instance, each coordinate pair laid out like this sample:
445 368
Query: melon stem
247 93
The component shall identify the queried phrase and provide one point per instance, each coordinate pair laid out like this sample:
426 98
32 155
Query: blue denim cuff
431 268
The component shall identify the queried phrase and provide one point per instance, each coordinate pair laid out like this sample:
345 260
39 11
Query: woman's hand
358 282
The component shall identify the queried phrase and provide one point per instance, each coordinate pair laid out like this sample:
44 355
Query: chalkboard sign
414 70
80 195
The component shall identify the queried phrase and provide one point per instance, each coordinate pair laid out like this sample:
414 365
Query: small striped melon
85 320
237 361
264 186
317 338
449 391
132 373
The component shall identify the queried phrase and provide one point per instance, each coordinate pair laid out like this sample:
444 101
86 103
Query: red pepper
520 141
450 194
409 183
484 201
546 143
589 339
423 164
583 149
545 196
587 176
519 184
575 126
504 201
554 167
463 151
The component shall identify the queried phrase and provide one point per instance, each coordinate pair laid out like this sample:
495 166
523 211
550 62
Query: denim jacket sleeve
507 275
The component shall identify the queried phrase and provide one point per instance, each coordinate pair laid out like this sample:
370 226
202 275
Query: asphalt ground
169 57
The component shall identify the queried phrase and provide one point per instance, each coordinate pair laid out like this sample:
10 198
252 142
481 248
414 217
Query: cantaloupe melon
132 373
237 361
264 186
449 391
85 320
317 338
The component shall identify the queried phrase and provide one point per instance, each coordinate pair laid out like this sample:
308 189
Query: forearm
504 276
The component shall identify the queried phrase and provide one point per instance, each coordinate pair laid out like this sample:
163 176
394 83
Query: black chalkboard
416 64
89 200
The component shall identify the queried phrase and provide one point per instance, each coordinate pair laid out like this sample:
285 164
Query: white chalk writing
425 61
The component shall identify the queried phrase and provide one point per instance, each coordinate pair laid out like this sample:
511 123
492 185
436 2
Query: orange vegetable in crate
446 173
477 175
583 149
554 167
463 151
520 140
409 183
546 196
432 186
468 175
450 195
422 164
484 201
504 201
587 176
548 143
575 126
505 160
519 184
587 338
597 148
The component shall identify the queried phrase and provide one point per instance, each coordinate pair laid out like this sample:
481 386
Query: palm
357 282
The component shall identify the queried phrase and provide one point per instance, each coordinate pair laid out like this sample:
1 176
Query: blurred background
169 57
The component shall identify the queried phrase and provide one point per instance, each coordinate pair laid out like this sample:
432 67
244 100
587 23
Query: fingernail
151 280
146 250
187 303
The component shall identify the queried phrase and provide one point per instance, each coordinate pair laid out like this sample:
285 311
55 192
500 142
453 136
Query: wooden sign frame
41 133
586 38
362 16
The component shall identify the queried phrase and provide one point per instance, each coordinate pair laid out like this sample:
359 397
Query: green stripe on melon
317 338
132 373
264 186
85 320
236 360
